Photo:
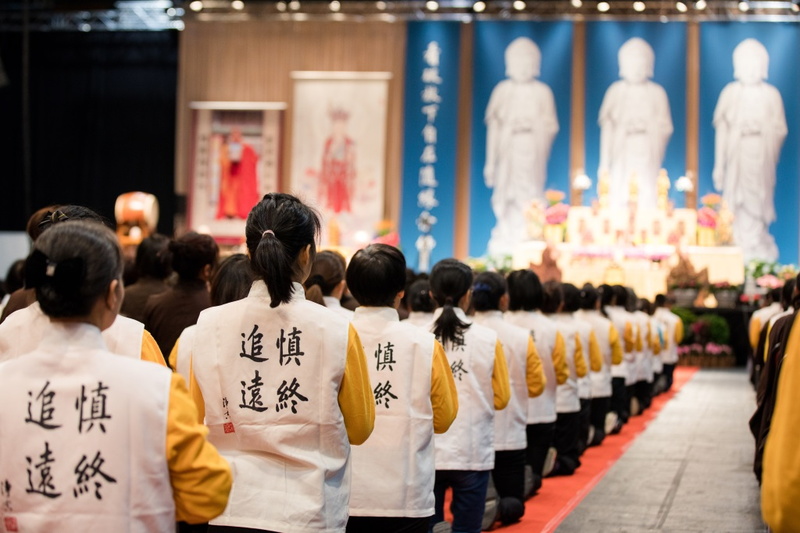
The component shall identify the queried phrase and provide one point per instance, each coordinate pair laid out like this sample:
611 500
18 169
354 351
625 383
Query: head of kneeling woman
76 269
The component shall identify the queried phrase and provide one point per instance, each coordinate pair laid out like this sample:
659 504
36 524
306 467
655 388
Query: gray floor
690 470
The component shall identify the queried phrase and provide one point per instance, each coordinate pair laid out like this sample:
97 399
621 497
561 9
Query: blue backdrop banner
668 43
781 40
512 133
430 139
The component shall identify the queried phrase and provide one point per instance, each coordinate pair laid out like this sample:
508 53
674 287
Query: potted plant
726 294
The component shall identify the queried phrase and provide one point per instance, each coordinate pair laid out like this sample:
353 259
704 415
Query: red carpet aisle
559 496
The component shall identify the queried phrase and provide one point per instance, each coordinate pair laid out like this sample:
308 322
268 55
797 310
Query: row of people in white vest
285 386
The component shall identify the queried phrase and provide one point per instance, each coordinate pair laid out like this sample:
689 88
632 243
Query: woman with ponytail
285 385
465 454
326 283
490 299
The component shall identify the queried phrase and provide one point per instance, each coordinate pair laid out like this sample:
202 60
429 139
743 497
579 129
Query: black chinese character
383 394
255 402
86 471
289 393
457 367
44 485
458 341
256 348
94 411
385 357
45 409
293 348
5 492
226 413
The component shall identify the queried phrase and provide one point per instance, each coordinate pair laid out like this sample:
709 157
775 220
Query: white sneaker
611 422
490 514
636 408
591 436
549 462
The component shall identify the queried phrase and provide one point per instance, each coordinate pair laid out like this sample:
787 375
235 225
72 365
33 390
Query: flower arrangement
723 286
385 233
554 197
707 217
769 281
491 263
712 201
556 214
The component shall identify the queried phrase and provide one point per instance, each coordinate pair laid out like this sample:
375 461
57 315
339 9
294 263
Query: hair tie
65 276
448 300
479 287
267 232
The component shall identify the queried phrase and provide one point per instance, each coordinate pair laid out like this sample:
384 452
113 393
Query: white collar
331 302
386 313
259 290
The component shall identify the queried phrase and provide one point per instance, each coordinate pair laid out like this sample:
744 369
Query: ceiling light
171 12
519 5
238 5
577 3
681 7
479 7
700 5
380 5
638 6
432 5
795 8
281 6
294 5
602 7
85 27
335 5
744 6
197 5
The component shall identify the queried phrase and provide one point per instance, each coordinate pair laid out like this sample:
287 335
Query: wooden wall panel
253 61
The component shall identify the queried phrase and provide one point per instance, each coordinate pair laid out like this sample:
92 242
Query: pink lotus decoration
707 217
556 214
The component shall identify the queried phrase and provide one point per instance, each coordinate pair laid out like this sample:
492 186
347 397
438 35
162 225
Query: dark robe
168 313
767 390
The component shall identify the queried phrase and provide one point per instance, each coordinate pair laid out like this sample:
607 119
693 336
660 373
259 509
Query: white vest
22 331
183 364
469 443
644 358
669 323
510 423
420 319
621 319
585 331
270 378
106 459
601 381
336 306
393 472
542 409
567 400
658 360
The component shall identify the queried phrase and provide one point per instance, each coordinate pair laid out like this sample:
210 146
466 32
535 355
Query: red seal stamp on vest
11 524
228 427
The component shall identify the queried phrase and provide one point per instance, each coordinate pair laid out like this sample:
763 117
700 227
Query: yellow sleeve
655 340
500 384
628 337
560 360
616 347
767 346
639 345
780 489
534 373
444 397
580 361
150 350
200 478
173 356
355 395
755 331
679 332
595 357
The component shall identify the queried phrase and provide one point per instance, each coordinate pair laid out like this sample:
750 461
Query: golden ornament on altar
602 190
663 186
